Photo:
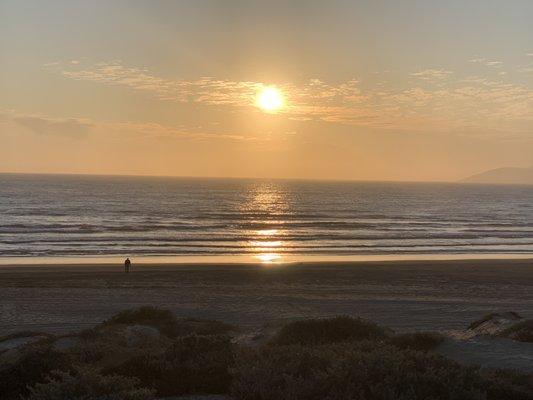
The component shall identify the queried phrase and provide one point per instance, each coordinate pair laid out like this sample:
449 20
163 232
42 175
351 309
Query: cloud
154 130
475 103
488 63
204 90
432 74
526 70
75 127
53 126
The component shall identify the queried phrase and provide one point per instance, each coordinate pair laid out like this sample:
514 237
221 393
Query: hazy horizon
460 181
372 91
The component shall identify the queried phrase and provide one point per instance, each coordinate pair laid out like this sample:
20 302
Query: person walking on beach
127 265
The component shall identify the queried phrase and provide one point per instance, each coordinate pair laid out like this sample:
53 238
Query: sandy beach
403 295
407 296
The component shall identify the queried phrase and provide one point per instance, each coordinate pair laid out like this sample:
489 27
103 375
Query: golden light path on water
266 200
267 249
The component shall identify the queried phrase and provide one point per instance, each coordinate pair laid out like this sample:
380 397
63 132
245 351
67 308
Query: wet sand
403 295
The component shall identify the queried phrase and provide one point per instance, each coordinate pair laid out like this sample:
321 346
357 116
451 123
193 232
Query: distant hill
506 175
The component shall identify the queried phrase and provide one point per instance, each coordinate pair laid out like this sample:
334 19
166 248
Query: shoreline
261 259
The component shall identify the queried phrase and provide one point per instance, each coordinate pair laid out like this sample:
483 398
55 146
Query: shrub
506 384
522 331
24 334
357 371
163 320
88 334
92 351
87 384
193 326
35 363
422 341
193 364
328 330
167 323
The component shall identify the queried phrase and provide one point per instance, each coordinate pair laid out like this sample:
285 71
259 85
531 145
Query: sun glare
270 99
268 258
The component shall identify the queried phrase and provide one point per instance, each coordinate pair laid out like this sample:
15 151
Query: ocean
257 219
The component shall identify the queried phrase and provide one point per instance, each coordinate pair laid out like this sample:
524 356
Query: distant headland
504 175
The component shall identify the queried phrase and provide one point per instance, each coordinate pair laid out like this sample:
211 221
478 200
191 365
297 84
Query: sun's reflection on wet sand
268 258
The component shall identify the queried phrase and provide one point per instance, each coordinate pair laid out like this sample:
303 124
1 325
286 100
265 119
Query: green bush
328 330
193 364
87 384
35 363
358 371
422 341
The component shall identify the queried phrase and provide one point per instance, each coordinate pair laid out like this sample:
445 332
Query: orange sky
373 90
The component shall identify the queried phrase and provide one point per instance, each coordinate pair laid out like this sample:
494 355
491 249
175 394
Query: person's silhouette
127 265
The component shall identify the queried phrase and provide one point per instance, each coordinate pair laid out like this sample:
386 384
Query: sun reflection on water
267 232
266 249
271 244
266 205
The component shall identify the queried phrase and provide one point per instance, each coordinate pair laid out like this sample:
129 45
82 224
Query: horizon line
248 178
220 177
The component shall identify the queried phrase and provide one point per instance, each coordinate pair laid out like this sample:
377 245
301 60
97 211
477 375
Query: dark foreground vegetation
521 330
147 353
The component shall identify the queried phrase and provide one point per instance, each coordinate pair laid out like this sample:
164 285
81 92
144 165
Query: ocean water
92 216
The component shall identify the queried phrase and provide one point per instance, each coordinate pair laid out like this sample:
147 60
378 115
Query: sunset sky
380 90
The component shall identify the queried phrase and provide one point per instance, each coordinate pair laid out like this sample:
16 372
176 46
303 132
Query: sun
270 99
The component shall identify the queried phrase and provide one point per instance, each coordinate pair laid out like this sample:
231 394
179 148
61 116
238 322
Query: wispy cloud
42 124
438 102
488 63
526 69
432 74
53 126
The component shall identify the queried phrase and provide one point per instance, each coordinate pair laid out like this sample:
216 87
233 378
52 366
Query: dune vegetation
148 353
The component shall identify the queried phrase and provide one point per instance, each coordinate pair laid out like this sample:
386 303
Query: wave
85 216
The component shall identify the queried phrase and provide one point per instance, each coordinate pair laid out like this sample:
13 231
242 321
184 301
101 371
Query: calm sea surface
65 216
